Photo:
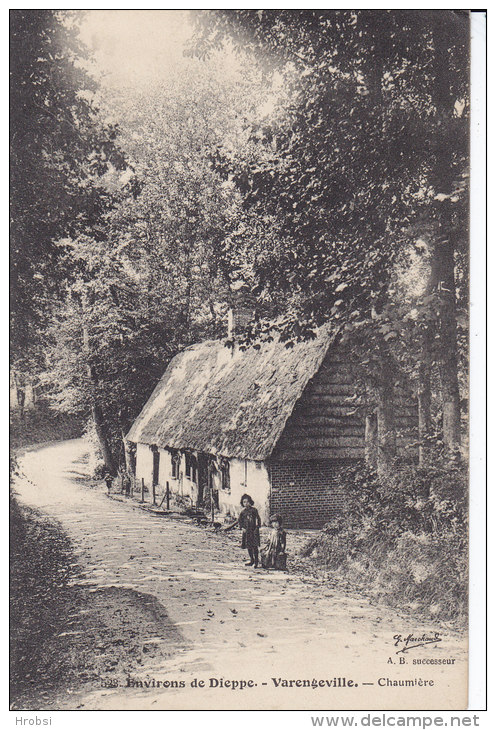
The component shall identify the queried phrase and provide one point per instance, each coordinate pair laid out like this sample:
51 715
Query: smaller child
274 551
108 481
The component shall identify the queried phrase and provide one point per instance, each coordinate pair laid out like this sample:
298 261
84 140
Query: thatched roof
234 404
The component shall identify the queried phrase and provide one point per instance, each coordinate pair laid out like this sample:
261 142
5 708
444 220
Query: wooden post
210 483
167 495
142 489
122 482
153 495
212 506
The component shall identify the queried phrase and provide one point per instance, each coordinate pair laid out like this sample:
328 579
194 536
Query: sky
135 47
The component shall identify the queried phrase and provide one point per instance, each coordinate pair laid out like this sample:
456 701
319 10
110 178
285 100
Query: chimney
237 320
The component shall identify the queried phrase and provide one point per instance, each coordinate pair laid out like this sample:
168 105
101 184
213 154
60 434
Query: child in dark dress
108 481
250 522
274 550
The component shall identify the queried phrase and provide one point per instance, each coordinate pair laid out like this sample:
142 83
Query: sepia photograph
239 359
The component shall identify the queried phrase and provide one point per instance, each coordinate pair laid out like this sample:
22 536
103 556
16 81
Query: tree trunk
386 426
448 372
447 355
127 453
20 392
96 411
34 392
424 399
99 422
371 440
21 400
443 255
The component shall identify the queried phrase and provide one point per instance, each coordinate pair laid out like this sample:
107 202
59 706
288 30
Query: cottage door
202 479
156 466
214 493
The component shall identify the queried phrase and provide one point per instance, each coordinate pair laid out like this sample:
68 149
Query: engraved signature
410 641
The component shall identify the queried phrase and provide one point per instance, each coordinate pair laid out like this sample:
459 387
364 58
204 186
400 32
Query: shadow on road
68 639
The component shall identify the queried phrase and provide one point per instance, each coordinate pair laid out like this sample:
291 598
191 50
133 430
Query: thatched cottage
271 421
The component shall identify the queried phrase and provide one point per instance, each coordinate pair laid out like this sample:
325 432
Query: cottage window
225 475
191 467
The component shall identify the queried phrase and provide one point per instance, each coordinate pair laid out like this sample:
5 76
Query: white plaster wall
250 477
164 468
245 476
179 485
144 464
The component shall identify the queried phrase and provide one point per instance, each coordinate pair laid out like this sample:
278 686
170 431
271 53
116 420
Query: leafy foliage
410 533
320 175
150 279
364 153
356 148
59 149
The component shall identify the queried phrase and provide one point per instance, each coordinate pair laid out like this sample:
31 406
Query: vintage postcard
239 359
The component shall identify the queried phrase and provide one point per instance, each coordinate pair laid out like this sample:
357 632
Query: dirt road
230 623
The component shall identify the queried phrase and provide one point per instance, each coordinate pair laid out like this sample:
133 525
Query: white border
293 720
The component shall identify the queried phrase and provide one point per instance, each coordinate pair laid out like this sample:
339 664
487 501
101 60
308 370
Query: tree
149 278
109 342
59 149
370 140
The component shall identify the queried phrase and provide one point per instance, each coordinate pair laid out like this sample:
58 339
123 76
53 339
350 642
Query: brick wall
307 493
